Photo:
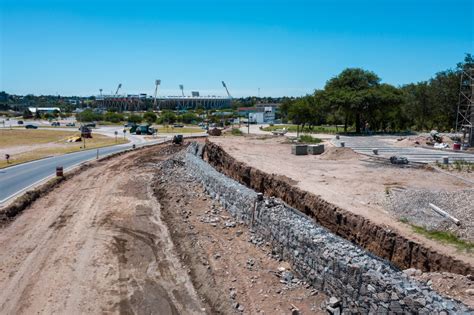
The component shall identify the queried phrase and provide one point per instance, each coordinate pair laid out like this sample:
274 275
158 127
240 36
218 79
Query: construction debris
444 213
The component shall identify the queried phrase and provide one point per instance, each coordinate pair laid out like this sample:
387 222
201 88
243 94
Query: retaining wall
363 282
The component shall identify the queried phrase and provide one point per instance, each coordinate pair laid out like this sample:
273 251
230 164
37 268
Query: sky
283 48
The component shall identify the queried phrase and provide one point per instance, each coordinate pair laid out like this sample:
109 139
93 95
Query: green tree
150 117
167 117
133 118
113 117
89 115
352 92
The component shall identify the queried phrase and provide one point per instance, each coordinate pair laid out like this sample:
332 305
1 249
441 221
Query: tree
300 113
352 92
27 114
88 116
150 117
113 117
167 117
136 119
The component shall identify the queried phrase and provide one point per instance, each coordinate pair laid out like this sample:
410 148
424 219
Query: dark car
70 125
20 122
178 126
55 124
31 127
90 125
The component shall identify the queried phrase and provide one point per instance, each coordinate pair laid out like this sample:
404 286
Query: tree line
357 99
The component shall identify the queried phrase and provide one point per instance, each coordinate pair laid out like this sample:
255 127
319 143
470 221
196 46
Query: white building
49 110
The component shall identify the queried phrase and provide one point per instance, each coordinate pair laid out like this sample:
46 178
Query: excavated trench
399 250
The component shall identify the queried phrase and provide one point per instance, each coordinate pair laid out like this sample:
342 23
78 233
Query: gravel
413 205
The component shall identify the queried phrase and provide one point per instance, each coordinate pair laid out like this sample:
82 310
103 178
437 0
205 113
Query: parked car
90 125
20 122
29 126
55 124
70 125
178 126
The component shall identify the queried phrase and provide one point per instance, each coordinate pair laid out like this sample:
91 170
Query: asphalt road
18 178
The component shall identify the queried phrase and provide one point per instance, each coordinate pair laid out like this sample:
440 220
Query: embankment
381 241
361 282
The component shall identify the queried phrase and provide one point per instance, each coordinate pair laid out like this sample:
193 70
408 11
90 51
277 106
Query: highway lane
18 178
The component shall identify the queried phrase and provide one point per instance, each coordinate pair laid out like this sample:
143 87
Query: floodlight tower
181 87
118 88
157 82
465 115
100 90
227 90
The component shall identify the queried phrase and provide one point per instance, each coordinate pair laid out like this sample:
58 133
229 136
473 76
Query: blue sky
76 47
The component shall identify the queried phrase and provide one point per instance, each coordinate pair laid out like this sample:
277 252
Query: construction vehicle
144 129
178 139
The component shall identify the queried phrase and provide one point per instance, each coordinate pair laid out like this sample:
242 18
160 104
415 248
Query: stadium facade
141 102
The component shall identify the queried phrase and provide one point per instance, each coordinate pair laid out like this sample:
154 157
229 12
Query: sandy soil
102 242
353 182
96 244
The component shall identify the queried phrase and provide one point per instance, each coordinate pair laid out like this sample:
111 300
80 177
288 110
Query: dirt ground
102 242
235 269
353 182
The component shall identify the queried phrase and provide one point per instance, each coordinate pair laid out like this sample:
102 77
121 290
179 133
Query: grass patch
17 137
444 237
236 132
308 139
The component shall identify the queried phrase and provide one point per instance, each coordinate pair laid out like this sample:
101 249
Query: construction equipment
144 129
178 139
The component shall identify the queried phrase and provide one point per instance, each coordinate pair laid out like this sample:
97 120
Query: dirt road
129 236
96 244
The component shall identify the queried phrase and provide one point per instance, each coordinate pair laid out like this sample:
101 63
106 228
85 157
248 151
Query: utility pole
248 123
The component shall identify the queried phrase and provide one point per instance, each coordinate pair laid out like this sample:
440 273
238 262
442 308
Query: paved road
16 179
365 145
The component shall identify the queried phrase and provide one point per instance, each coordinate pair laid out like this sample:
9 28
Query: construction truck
144 129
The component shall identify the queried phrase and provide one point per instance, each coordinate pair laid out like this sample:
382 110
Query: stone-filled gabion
364 283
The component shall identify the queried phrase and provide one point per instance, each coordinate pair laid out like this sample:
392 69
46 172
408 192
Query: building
141 102
260 114
44 110
193 102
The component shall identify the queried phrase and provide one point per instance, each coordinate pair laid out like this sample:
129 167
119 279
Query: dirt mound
411 141
339 154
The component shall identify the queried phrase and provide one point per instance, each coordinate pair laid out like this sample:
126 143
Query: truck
144 129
